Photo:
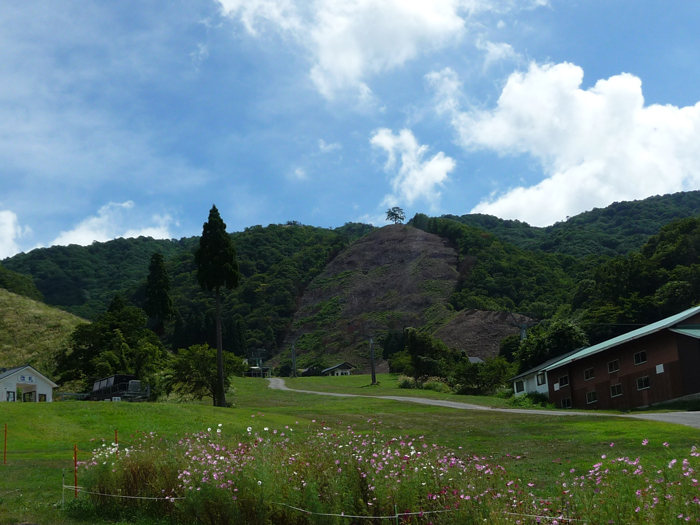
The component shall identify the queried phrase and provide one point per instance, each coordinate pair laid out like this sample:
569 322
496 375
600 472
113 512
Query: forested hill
19 284
84 279
617 229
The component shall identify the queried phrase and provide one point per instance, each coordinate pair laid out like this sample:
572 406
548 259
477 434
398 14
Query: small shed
310 371
343 369
24 383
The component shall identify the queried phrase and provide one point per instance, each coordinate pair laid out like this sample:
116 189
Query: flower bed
333 473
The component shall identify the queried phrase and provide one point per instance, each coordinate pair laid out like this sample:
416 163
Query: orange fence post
4 450
75 469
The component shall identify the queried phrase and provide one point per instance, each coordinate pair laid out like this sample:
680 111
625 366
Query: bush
436 384
531 401
407 382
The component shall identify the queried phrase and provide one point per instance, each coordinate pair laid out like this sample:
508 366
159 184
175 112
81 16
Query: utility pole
371 360
294 361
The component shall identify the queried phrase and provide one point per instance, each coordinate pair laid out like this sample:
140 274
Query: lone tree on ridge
395 214
217 267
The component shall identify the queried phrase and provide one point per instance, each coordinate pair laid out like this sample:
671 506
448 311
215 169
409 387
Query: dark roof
9 371
344 364
6 372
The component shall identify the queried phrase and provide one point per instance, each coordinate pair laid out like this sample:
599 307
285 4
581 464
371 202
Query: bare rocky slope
392 278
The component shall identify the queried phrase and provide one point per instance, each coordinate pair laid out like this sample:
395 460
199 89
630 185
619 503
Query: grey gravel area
689 419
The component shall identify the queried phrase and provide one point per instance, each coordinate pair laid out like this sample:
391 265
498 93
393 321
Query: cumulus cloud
414 178
495 52
595 146
10 231
327 148
113 221
350 40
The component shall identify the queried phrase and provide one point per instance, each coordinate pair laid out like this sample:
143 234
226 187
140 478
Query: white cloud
595 146
415 178
299 174
10 231
349 41
327 148
112 221
495 52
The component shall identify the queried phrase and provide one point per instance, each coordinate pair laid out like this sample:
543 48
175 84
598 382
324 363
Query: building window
519 386
42 398
591 397
640 357
642 383
541 379
613 366
566 402
616 390
588 374
563 381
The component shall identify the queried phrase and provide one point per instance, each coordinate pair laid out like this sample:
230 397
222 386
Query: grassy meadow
41 437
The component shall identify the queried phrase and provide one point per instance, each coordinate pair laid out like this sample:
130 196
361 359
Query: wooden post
75 469
4 449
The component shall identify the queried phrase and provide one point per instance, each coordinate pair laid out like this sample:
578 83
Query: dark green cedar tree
217 267
159 305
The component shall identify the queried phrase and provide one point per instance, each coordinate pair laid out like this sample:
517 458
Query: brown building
658 362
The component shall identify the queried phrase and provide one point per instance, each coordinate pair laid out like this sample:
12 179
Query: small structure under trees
24 383
342 369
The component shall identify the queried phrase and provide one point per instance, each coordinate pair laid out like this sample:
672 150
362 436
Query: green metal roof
631 336
690 332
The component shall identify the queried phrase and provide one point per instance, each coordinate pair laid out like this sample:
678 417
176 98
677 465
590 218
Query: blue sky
132 118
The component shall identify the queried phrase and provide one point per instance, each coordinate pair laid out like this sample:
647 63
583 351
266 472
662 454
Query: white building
534 381
34 386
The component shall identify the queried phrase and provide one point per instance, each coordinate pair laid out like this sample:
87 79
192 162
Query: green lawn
387 385
41 436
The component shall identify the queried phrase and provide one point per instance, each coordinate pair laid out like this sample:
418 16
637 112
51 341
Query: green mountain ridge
614 230
292 291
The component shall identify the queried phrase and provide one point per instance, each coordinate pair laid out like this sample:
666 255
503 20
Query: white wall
531 387
27 380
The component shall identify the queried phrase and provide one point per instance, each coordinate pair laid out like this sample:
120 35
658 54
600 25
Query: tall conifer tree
217 267
159 305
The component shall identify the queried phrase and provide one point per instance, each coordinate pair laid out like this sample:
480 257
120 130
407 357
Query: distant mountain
32 332
614 230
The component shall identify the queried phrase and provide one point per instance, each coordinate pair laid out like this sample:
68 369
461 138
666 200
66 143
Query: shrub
437 384
407 382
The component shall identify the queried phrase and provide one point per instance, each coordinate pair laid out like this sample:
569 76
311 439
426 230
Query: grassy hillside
32 332
614 230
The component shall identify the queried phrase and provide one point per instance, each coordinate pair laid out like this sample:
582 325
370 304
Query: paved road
689 419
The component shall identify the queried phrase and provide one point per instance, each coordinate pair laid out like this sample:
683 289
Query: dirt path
689 419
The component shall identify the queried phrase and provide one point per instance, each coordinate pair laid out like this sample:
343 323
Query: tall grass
266 474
